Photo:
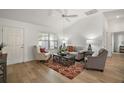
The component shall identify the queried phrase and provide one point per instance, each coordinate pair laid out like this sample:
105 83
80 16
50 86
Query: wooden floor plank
34 72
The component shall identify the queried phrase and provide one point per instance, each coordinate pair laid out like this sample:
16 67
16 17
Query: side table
3 69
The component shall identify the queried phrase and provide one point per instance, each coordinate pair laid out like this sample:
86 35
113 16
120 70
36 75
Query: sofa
77 51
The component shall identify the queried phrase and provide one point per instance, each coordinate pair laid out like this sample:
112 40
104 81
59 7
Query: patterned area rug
70 72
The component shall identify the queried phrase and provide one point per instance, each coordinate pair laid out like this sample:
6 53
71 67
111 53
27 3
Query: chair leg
94 69
102 70
49 58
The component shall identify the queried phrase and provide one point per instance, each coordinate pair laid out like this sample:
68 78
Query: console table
3 69
121 49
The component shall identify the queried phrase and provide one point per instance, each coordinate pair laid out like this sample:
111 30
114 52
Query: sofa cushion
73 53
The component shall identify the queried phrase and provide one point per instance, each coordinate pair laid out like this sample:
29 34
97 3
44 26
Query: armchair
98 62
41 56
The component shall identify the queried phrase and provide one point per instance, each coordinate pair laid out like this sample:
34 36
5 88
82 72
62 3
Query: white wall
90 27
30 34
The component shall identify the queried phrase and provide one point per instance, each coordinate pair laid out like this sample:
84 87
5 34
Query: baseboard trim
21 62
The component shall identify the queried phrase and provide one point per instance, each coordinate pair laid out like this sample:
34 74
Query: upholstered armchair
40 56
97 62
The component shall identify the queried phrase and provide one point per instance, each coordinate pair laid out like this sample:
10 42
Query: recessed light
117 16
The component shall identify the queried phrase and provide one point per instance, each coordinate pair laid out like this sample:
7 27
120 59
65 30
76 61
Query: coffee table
65 60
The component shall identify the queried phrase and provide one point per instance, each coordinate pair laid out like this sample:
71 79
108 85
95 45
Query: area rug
70 72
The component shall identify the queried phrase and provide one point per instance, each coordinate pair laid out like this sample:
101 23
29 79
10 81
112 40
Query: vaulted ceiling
50 17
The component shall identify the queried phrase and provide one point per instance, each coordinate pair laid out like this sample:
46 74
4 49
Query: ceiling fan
68 16
65 15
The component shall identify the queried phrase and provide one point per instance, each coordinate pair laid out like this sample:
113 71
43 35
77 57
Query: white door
13 37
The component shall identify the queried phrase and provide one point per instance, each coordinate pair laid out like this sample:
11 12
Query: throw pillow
42 50
70 48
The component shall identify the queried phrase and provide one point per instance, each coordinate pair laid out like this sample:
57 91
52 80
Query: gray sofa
97 62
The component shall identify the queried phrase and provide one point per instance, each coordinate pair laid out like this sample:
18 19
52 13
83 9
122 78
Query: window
48 41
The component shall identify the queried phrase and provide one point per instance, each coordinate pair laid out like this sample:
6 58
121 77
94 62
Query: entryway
118 42
13 37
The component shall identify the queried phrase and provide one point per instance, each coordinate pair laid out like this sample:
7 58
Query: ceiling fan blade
69 15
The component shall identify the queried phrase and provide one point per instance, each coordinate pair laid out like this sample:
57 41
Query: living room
79 32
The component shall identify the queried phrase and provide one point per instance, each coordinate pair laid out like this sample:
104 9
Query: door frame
9 26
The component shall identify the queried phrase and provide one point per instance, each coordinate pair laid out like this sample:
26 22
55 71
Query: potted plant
62 50
1 46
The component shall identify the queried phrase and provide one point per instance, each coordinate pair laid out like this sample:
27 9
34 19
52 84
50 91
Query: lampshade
64 41
90 41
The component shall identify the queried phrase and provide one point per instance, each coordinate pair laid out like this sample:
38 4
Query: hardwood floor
34 72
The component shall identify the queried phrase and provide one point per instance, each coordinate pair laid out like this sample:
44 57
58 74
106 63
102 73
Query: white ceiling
115 19
35 16
49 17
112 15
